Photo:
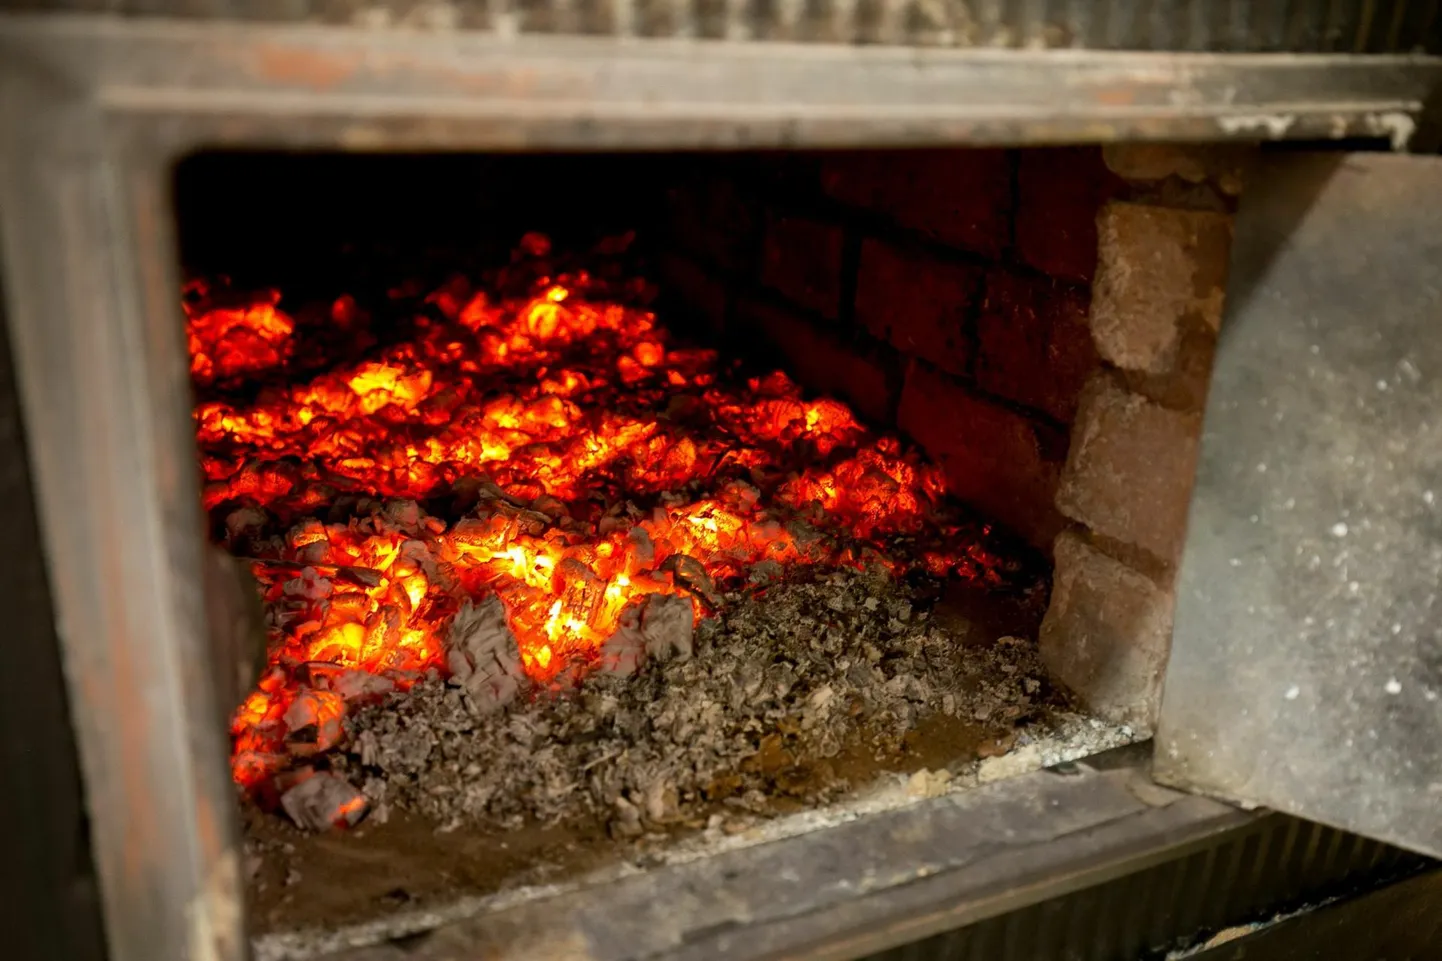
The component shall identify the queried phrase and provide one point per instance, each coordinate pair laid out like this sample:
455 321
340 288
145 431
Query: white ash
659 628
794 675
483 656
322 801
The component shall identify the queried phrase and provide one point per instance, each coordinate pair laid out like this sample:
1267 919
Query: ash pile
759 703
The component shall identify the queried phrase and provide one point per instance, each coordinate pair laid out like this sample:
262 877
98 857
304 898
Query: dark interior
854 271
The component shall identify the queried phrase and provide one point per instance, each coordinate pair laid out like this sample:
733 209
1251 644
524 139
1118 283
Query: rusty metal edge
316 86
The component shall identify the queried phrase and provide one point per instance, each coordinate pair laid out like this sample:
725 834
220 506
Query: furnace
730 483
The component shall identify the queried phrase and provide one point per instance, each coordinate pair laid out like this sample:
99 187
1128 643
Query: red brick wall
944 292
1042 322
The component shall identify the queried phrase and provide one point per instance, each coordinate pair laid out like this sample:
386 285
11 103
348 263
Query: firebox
603 504
583 497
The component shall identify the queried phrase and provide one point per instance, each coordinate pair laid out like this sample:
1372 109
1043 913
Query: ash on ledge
526 557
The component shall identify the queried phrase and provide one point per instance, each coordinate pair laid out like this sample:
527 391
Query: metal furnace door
1306 667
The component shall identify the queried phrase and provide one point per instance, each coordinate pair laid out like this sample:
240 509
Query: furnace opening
601 504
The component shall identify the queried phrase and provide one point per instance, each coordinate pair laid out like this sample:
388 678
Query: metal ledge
1090 861
839 892
319 86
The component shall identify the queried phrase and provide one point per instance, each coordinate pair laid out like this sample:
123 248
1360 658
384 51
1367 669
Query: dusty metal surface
1339 26
217 84
1306 669
853 888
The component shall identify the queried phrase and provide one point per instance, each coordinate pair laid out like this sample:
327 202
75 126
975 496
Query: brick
994 458
1178 193
917 303
1184 387
1059 191
801 260
1221 164
715 218
1129 471
819 360
1156 267
692 293
958 197
1107 633
1034 345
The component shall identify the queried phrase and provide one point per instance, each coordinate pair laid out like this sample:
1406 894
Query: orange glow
226 341
571 450
350 808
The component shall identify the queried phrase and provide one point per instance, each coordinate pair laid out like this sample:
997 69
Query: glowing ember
226 341
580 462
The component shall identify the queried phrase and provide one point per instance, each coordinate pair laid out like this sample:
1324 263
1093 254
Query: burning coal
526 480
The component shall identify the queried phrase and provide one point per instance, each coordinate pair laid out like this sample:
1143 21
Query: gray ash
783 680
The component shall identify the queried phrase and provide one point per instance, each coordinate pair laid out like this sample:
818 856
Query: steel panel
1306 669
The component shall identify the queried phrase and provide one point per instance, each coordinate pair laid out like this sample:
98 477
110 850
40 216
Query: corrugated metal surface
1278 864
1318 26
1396 921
